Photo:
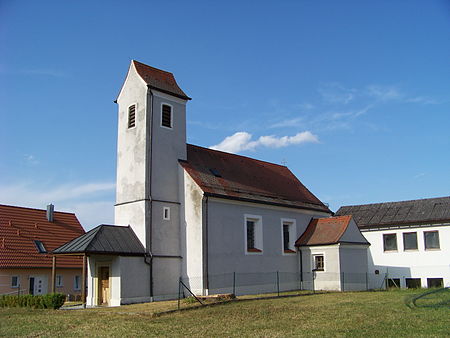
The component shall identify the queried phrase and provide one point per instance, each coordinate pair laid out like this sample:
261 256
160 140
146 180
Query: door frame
98 283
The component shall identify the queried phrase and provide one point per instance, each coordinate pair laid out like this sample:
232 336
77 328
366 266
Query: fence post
313 283
278 284
234 283
343 282
179 292
367 281
18 289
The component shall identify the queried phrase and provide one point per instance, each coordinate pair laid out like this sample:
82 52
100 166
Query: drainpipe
149 246
300 265
205 244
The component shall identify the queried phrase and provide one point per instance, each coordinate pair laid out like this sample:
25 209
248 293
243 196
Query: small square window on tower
166 116
166 213
132 116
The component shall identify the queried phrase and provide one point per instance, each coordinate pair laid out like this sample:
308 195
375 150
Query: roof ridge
396 202
29 208
236 155
154 68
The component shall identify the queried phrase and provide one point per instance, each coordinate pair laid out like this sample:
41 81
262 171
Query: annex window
166 213
435 282
390 242
431 240
14 281
393 282
319 263
253 234
59 281
166 116
40 246
413 283
132 116
410 241
288 232
77 282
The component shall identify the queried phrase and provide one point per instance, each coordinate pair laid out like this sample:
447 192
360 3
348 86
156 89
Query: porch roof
104 239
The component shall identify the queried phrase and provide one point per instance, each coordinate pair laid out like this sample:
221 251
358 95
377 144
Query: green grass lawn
331 314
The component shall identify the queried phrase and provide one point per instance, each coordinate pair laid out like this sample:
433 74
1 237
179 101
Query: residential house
410 241
190 212
27 237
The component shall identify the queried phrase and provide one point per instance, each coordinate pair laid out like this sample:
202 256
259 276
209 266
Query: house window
435 282
40 246
166 116
14 281
410 241
59 281
431 240
166 213
77 283
390 242
253 234
413 283
393 282
288 235
319 263
132 116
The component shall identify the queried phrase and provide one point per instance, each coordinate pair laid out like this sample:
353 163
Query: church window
132 116
166 116
166 213
288 234
319 263
253 234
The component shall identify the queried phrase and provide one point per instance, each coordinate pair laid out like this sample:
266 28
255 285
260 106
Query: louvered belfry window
250 234
132 116
166 116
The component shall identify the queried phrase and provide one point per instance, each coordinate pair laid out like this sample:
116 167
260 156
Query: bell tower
151 140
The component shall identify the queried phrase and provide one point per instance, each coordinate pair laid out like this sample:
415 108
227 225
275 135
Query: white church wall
226 240
136 288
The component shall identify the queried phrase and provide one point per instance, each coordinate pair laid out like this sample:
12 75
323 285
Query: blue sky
352 95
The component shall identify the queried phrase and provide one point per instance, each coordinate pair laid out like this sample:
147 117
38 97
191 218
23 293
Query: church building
184 211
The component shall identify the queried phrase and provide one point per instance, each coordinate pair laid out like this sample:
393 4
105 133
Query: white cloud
241 141
384 93
93 203
30 159
336 93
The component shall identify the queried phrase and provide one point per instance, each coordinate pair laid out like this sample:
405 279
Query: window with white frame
14 281
59 281
253 234
132 116
319 262
410 241
166 213
390 242
431 239
77 283
288 232
166 116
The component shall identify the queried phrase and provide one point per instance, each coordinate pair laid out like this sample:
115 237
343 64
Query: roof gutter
210 194
184 97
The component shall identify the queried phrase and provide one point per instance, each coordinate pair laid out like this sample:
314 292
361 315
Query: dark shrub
48 301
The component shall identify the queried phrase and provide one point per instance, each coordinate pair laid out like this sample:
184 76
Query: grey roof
415 212
105 239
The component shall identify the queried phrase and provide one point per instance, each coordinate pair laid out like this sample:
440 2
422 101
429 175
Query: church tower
151 140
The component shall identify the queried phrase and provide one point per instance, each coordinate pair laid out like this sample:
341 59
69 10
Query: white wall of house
402 264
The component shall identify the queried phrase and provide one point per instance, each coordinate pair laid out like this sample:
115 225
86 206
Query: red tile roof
322 231
20 227
237 177
160 80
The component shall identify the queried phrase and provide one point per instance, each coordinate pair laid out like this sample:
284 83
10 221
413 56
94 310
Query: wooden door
103 286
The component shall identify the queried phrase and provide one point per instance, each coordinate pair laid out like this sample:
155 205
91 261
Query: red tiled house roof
20 227
242 178
324 231
159 79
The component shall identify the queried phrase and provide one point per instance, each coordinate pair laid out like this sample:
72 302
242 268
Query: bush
48 301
